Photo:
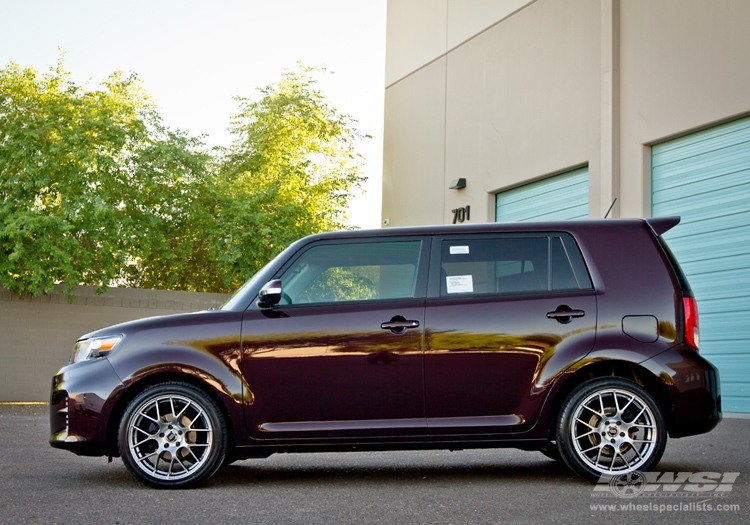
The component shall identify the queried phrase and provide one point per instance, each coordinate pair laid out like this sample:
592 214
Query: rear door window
510 264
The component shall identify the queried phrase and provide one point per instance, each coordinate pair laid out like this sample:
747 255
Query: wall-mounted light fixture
457 184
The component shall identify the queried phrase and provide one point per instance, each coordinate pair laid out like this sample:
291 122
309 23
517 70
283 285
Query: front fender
207 351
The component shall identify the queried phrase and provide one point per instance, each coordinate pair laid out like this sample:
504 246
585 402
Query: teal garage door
564 196
705 178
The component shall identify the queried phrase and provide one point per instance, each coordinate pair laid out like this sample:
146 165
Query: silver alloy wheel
169 437
614 431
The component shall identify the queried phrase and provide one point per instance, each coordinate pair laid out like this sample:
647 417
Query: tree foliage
95 189
288 173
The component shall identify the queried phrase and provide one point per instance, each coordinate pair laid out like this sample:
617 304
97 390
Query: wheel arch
611 368
138 386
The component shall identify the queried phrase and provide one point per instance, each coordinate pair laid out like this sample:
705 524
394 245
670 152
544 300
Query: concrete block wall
37 334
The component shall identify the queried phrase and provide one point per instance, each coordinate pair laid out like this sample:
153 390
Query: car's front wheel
610 426
172 435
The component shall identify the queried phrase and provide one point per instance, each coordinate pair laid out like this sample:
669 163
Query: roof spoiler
661 225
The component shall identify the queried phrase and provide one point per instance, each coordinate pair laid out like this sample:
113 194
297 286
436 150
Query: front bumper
80 404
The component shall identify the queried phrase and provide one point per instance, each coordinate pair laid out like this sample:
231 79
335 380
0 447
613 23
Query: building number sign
461 214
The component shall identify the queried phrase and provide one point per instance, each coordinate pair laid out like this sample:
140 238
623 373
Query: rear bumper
694 388
79 407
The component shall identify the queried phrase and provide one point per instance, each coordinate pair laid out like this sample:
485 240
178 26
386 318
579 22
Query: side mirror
270 294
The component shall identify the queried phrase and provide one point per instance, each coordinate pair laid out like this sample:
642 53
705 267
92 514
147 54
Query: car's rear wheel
172 436
610 426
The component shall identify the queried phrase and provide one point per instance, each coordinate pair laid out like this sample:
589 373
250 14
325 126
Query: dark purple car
578 339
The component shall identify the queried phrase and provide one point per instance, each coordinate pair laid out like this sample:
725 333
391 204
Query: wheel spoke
145 415
149 438
614 458
598 445
591 409
144 458
171 464
190 449
187 405
599 455
636 418
139 429
584 423
184 467
592 431
637 453
622 411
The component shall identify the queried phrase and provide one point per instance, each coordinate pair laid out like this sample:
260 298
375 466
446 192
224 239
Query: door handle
399 324
564 314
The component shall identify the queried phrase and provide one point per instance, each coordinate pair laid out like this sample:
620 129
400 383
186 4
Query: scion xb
578 339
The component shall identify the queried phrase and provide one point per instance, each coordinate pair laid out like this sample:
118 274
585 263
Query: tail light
692 331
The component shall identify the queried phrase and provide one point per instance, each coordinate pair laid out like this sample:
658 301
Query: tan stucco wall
685 66
420 31
413 147
527 85
37 334
503 93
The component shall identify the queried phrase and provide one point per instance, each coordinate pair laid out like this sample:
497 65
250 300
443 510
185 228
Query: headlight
95 347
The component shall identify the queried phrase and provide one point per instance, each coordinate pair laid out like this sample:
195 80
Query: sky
194 56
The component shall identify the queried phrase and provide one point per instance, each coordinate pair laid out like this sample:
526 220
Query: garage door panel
705 178
720 258
707 244
697 144
714 246
725 219
702 168
565 184
726 327
713 202
721 305
563 196
731 261
727 283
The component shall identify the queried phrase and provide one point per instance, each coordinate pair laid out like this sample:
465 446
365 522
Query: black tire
610 426
172 435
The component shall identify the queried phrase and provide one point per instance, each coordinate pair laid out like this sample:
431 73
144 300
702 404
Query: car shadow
251 472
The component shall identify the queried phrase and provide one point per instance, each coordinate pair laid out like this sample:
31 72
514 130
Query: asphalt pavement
42 485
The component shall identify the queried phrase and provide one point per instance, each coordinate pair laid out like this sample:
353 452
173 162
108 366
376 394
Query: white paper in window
459 284
457 250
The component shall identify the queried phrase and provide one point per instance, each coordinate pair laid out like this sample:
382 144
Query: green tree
289 173
95 189
91 181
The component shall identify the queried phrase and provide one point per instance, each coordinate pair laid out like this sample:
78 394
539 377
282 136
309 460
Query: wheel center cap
171 436
612 431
